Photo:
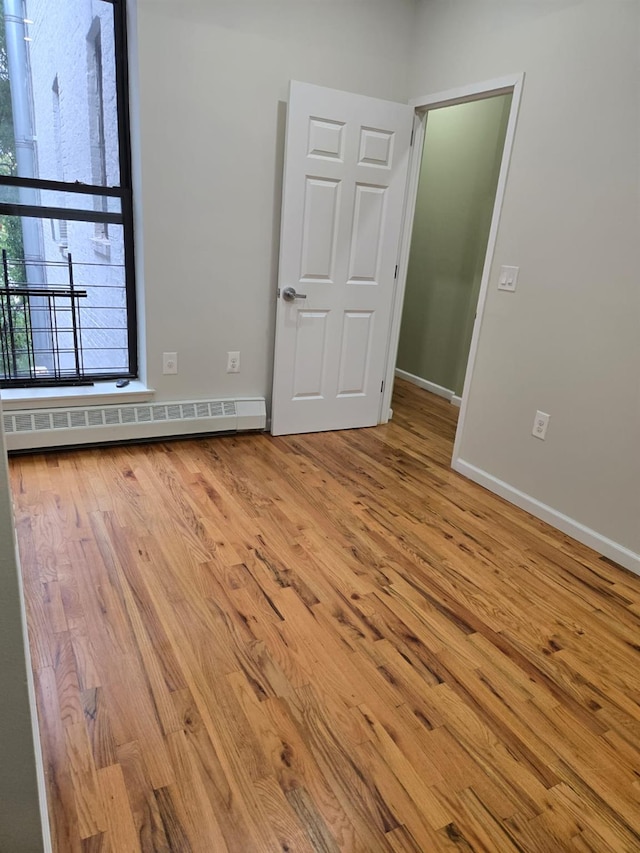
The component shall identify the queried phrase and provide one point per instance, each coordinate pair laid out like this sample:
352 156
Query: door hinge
413 130
395 275
382 386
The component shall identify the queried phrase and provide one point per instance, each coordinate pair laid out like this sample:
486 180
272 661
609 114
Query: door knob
289 294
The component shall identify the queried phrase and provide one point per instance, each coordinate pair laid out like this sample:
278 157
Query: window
67 295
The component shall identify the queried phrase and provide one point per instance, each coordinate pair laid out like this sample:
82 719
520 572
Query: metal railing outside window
63 333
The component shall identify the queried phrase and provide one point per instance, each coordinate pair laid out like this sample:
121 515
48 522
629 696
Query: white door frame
473 92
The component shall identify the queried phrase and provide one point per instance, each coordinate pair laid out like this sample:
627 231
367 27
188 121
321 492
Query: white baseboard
607 547
456 401
428 386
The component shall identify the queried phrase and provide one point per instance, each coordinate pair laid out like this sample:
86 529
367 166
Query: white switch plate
540 424
508 278
169 363
233 362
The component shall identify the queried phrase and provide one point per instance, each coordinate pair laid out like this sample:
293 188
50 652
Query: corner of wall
591 538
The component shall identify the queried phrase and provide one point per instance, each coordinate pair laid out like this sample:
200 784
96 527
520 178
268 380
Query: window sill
100 394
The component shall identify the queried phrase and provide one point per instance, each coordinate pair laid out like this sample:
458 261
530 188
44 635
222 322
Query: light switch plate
508 278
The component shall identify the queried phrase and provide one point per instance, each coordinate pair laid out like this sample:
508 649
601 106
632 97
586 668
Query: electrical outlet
169 363
233 362
508 278
540 425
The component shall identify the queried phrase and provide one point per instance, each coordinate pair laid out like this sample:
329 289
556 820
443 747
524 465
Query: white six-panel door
344 184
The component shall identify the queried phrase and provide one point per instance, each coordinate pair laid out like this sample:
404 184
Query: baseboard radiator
32 429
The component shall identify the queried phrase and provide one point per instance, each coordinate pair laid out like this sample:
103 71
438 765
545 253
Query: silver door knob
289 294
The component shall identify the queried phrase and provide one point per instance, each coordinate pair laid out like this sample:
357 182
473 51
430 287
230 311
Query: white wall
568 342
20 827
212 79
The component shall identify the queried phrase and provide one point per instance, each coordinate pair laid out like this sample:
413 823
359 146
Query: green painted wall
458 179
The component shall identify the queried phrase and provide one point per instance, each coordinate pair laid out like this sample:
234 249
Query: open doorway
462 155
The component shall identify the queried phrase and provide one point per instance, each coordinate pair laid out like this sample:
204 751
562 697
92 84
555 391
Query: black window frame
123 192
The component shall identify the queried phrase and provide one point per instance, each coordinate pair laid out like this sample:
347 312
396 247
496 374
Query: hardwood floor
321 643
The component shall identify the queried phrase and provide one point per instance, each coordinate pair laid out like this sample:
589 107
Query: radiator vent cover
34 428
